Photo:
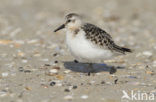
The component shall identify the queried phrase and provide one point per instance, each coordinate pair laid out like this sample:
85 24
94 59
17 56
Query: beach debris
84 96
52 83
147 53
68 97
66 90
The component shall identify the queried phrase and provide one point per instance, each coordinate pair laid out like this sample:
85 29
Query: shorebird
88 42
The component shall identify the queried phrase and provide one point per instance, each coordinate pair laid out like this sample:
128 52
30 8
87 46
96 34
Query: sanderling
88 42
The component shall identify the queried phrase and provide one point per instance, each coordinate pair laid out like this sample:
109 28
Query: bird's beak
59 28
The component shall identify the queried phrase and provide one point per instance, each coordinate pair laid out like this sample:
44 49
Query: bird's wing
102 38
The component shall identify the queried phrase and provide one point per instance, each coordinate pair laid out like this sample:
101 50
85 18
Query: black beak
59 28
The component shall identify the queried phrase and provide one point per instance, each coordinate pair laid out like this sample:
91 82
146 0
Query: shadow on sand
98 67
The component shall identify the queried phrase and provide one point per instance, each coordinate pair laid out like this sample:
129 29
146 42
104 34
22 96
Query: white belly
85 50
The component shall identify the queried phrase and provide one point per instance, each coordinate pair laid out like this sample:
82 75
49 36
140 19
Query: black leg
112 70
76 61
89 73
90 69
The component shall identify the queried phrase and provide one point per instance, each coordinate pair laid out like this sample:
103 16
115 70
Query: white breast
83 49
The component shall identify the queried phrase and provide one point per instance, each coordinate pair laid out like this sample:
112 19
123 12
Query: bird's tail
126 49
122 49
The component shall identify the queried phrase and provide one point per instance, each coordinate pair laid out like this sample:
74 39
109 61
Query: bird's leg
90 69
76 61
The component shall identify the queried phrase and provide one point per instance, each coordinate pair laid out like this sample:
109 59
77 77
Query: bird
88 42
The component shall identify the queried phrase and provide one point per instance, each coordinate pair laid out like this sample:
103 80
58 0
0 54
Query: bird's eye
69 21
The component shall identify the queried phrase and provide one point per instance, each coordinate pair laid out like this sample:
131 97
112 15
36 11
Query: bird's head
73 21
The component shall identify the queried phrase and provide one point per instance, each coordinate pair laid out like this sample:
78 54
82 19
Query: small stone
58 68
84 96
24 61
92 82
27 71
28 88
5 74
3 93
82 84
74 87
21 54
66 90
45 86
52 83
46 64
60 77
68 97
112 70
102 82
56 61
147 53
67 71
55 54
54 71
21 69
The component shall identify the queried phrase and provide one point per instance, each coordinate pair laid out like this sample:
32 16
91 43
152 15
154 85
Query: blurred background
29 48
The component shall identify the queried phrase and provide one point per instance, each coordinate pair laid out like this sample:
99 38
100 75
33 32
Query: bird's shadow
98 67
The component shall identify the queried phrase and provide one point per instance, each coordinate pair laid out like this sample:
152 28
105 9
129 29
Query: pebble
102 82
84 96
92 82
74 87
60 77
66 90
52 83
68 97
112 70
46 64
3 93
5 74
27 71
28 88
55 54
56 61
24 61
147 53
21 69
54 71
67 71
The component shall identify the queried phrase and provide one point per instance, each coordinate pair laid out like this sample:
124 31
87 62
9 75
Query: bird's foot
76 61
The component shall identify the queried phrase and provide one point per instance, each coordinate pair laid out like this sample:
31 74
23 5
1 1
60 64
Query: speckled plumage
102 38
